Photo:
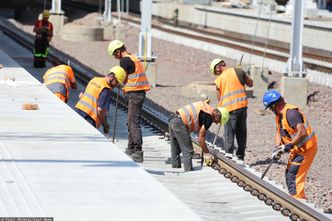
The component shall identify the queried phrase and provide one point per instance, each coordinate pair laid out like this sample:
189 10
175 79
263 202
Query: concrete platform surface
55 164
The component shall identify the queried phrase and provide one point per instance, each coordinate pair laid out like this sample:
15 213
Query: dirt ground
180 65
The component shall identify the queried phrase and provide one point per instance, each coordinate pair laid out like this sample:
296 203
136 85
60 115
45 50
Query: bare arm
301 134
201 139
249 82
218 93
73 85
102 116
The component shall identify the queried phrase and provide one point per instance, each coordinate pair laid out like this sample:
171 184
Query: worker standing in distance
44 33
195 117
135 89
295 136
95 100
231 95
59 79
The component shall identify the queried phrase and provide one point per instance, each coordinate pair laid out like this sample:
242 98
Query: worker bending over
44 33
295 136
231 95
59 79
135 89
95 101
195 117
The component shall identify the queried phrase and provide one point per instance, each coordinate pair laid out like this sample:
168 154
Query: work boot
137 156
129 151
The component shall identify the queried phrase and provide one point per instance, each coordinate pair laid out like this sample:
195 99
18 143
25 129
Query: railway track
312 60
156 126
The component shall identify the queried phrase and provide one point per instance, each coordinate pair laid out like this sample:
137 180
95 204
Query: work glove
277 151
208 159
106 128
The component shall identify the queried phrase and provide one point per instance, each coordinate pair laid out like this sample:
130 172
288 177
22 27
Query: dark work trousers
236 126
180 142
135 106
40 51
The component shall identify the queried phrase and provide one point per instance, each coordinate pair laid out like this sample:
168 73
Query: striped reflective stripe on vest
137 84
189 120
235 101
306 139
94 100
55 75
57 87
131 76
233 93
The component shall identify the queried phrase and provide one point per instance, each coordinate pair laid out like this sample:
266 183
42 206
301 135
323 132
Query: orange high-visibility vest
56 80
309 141
137 81
49 26
232 92
89 100
190 114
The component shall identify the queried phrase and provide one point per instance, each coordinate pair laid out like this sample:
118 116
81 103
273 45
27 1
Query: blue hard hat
270 97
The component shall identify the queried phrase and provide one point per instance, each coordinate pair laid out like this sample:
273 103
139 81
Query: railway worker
295 136
230 84
59 79
44 33
95 100
195 117
135 89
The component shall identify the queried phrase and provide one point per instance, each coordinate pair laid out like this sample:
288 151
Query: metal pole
127 7
116 114
145 34
295 61
267 169
119 11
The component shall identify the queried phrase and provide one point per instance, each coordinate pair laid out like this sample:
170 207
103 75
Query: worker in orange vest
230 83
95 101
295 136
59 79
44 33
135 89
194 117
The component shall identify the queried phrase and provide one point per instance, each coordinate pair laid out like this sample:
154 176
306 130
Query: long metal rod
116 114
267 169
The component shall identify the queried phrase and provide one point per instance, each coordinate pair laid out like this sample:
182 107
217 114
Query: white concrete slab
53 163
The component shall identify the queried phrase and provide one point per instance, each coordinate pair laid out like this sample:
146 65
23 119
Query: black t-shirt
128 65
205 119
293 117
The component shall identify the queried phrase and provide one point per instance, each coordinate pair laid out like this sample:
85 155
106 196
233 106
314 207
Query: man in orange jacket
231 94
135 89
195 117
295 136
59 79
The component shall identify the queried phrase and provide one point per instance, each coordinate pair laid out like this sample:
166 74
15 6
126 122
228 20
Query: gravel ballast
179 66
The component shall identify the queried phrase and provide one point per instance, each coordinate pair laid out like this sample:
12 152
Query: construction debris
30 106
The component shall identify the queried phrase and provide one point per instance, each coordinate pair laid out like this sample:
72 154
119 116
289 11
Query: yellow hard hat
224 115
114 45
214 63
119 73
46 13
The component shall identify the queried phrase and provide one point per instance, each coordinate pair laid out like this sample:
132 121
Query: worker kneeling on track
59 79
195 117
95 100
295 136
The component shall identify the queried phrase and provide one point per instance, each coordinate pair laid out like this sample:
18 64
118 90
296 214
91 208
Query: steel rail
272 196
